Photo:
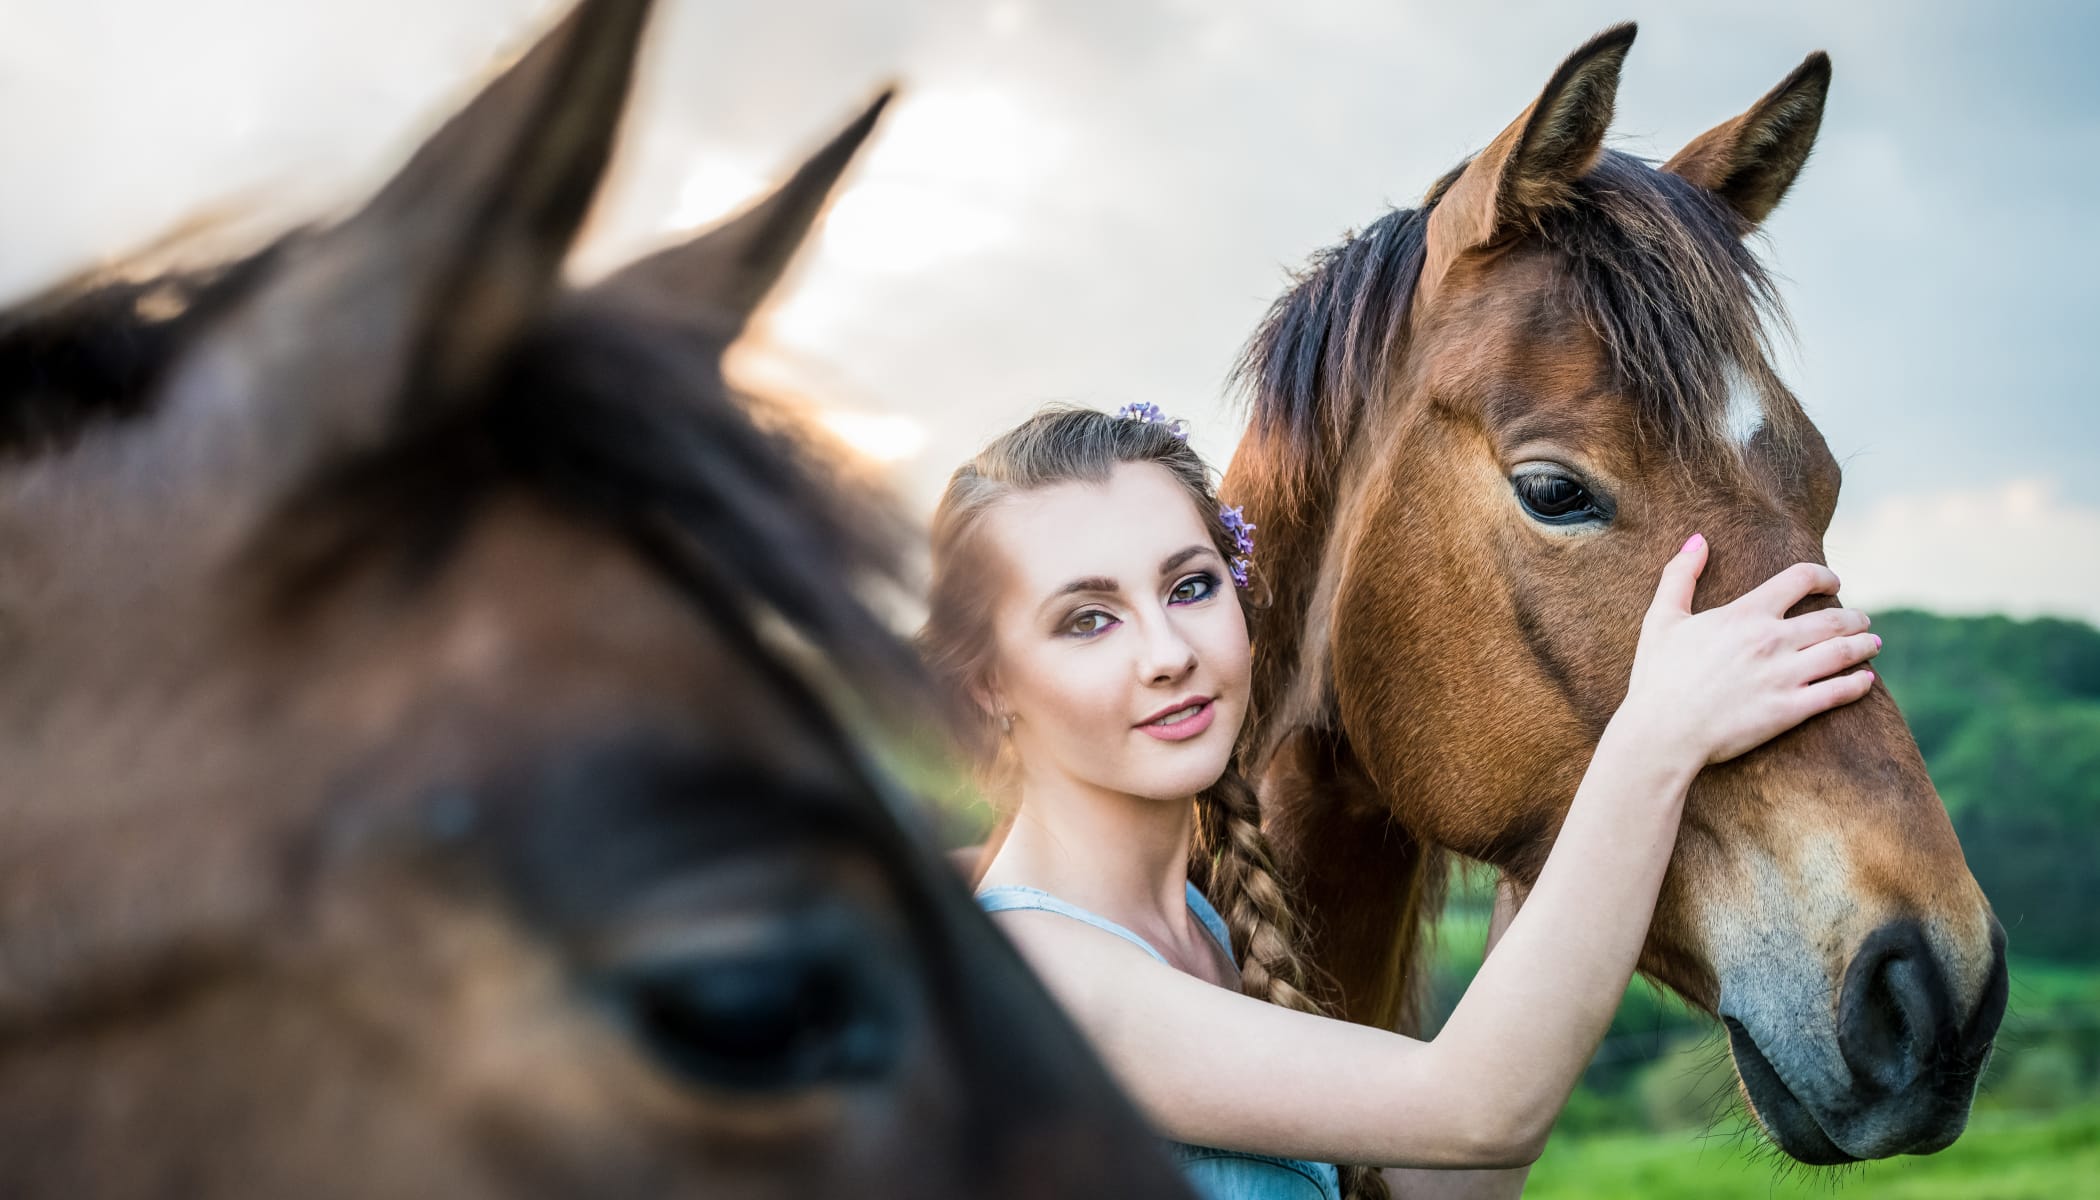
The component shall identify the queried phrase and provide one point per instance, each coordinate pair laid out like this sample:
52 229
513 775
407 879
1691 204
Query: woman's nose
1168 655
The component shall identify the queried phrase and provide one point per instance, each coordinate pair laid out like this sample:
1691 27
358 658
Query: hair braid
1234 867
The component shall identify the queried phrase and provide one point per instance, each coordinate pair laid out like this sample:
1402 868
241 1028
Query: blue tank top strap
1200 905
1014 897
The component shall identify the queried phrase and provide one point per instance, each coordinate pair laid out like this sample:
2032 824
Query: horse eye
764 1022
1555 499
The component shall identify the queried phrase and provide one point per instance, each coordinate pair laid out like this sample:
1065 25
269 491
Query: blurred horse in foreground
424 754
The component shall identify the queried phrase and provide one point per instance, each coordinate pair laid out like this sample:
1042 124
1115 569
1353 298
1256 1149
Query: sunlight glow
884 437
948 178
716 187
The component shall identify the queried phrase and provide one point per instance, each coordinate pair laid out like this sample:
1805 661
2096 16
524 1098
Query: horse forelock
1658 270
1684 311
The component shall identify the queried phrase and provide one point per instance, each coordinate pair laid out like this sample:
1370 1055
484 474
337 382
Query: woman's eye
1194 588
1088 623
1555 498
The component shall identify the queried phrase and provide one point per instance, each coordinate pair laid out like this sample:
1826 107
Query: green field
2003 1156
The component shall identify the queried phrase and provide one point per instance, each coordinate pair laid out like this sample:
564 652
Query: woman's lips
1184 728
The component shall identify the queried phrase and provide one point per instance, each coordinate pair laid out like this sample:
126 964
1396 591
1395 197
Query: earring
1006 722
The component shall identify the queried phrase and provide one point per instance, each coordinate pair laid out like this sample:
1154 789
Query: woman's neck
1120 855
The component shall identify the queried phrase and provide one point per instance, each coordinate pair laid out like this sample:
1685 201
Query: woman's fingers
1786 589
1822 625
1826 694
1680 577
1835 654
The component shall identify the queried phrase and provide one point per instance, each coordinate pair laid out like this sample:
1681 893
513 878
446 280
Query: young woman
1083 600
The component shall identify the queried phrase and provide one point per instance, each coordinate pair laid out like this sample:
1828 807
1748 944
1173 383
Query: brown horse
1478 429
420 763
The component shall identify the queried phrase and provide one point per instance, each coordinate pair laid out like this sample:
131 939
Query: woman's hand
1717 683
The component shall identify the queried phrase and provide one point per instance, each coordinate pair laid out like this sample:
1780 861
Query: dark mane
1325 343
1657 267
611 412
622 418
91 350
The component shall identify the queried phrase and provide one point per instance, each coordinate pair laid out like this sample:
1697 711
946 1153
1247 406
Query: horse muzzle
1891 1069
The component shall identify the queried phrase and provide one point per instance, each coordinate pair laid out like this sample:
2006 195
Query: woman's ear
986 697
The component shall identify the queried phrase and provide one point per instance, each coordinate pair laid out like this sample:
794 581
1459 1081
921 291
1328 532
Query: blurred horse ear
390 319
1531 164
1752 160
720 277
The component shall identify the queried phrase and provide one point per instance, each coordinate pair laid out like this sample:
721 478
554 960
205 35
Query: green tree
2007 713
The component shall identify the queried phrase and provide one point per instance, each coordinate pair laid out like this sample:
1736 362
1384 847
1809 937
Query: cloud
2020 548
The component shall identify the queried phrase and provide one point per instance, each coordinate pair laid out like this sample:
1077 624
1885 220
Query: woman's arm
1416 1183
1214 1067
1217 1068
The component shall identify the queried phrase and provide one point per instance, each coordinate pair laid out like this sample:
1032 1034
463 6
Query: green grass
2003 1156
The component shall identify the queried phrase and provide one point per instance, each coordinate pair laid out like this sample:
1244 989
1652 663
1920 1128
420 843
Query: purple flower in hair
1152 414
1242 531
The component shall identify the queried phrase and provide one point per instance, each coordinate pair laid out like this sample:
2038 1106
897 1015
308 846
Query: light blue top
1215 1174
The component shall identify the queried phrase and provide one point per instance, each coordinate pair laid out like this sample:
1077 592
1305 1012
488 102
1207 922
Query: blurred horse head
425 693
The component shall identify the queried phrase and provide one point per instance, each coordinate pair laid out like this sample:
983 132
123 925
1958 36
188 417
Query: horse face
1574 408
413 721
528 884
1818 901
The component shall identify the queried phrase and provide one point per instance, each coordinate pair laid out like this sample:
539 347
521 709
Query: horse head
1480 427
425 697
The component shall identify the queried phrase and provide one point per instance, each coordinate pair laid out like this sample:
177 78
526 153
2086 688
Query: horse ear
1752 160
392 317
720 277
1531 164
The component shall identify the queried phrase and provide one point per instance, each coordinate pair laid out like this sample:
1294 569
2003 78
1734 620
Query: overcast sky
1095 200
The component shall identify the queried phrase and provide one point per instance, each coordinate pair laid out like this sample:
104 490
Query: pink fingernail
1689 543
1877 641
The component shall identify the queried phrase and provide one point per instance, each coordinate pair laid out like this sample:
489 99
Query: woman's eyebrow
1174 560
1101 584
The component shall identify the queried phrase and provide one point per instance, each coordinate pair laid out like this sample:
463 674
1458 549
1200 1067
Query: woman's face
1121 650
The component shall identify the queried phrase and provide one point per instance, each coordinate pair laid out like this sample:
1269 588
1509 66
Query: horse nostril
1893 1010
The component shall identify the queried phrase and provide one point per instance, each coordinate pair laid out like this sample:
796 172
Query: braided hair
1229 859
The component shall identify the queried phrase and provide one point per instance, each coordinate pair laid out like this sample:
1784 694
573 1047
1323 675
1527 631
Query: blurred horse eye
1555 499
763 1021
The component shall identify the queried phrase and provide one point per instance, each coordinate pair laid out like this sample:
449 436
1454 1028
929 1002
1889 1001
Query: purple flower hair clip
1242 531
1235 522
1152 414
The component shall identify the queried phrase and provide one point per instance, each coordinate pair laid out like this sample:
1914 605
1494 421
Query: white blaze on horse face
1746 407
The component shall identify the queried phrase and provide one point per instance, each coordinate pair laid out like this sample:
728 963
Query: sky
1096 200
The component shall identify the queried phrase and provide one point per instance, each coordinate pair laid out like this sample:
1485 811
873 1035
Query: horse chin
1790 1122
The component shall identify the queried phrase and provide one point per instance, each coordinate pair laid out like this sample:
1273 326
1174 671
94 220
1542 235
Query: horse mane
613 411
91 349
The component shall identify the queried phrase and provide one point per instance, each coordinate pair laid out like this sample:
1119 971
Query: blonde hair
1230 859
